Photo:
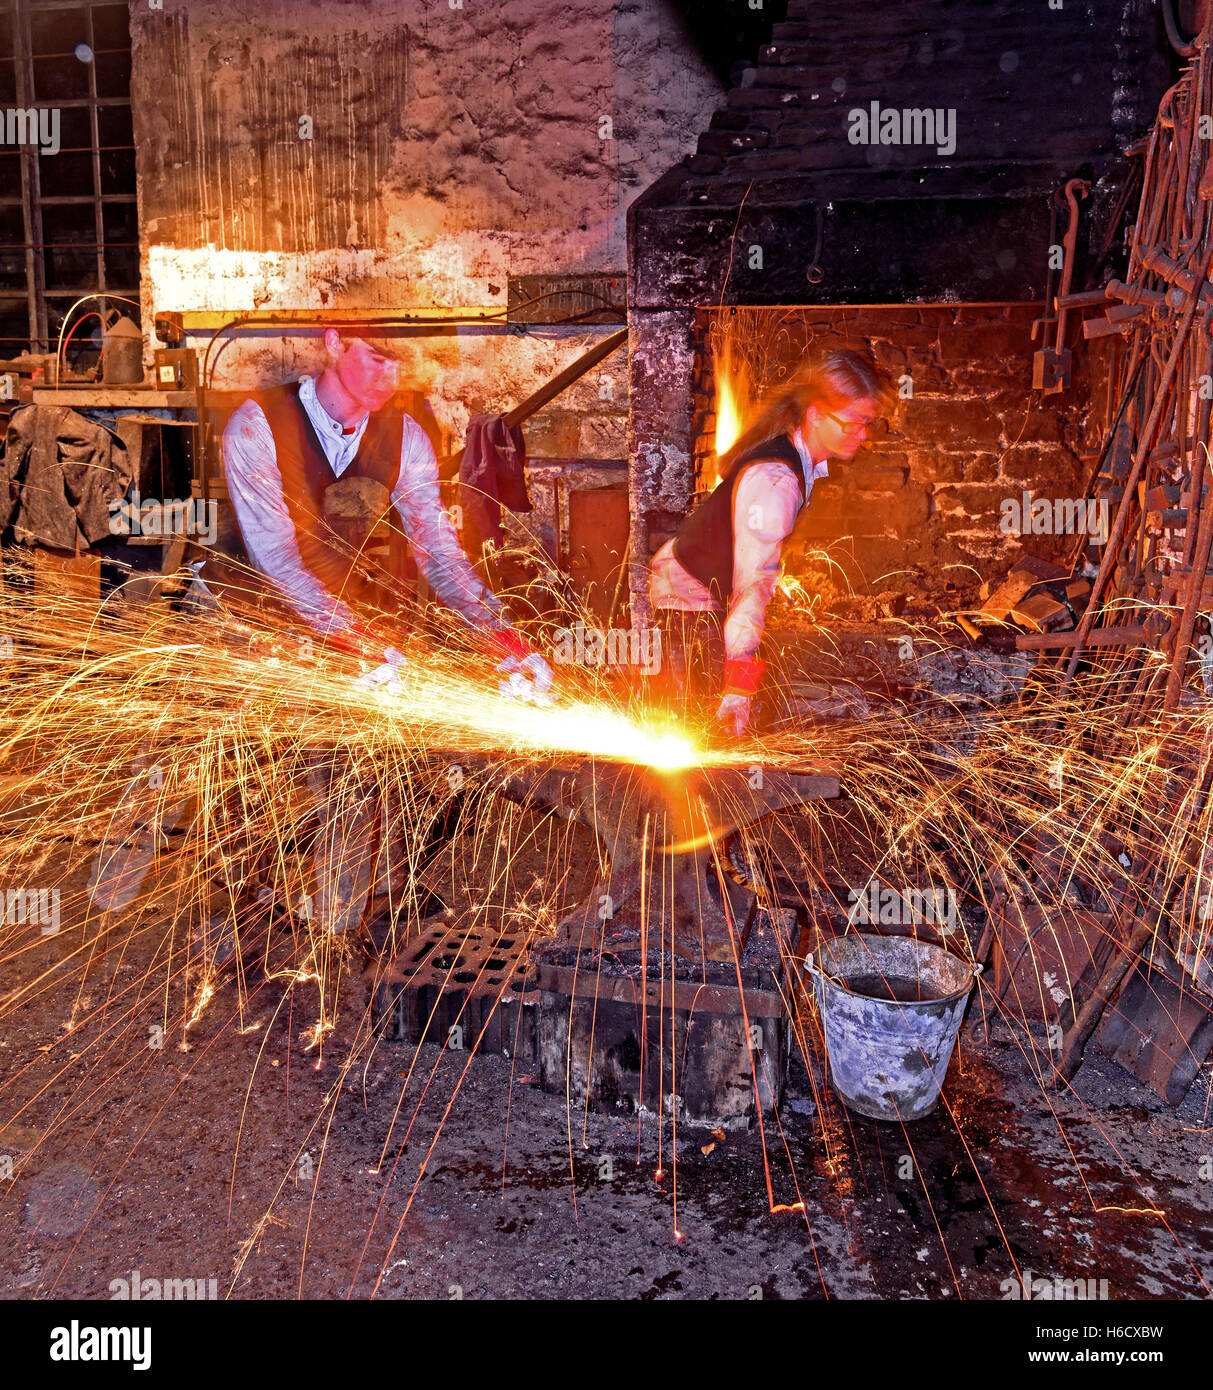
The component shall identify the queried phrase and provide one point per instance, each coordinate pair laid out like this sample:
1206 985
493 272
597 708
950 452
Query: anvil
667 884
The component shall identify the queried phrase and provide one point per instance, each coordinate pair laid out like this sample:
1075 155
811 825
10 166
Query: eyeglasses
877 425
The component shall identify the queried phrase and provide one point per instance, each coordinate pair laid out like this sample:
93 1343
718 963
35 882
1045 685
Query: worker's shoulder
256 403
412 425
769 473
415 443
249 411
247 427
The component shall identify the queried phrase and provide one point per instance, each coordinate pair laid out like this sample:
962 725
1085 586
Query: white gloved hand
734 713
385 677
529 679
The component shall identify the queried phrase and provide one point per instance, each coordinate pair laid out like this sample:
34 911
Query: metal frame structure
24 55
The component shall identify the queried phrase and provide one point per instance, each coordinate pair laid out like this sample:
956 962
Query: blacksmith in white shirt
283 450
288 452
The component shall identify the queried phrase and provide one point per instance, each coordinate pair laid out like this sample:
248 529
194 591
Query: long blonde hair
833 380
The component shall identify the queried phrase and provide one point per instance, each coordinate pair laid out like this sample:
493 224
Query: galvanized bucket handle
818 980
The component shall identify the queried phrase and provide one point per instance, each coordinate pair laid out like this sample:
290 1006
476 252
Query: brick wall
1031 96
780 206
1055 84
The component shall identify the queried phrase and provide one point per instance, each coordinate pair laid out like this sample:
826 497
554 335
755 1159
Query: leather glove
527 675
743 674
734 713
365 643
385 676
358 640
741 680
528 679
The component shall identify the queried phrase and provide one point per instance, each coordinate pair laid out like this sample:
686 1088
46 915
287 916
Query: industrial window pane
56 78
67 175
80 54
121 222
75 129
10 174
71 269
71 222
12 253
121 265
14 328
57 31
111 27
118 171
113 73
114 126
70 251
12 272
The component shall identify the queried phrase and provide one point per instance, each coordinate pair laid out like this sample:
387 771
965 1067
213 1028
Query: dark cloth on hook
60 474
492 475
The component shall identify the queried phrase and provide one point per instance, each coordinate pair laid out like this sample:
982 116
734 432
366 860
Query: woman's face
838 433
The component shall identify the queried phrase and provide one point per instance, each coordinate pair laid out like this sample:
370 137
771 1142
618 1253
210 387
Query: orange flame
732 400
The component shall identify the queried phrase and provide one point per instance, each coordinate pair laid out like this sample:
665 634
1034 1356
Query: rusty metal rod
1075 1041
1155 259
551 389
1075 189
1126 635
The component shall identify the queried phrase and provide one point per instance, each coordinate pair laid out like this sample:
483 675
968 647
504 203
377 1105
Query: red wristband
741 677
511 642
358 640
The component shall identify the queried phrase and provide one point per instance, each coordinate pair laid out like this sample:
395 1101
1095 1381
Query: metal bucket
888 1057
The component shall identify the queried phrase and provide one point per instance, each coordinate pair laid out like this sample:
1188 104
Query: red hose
92 314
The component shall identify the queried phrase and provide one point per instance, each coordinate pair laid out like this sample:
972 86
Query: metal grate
68 220
471 979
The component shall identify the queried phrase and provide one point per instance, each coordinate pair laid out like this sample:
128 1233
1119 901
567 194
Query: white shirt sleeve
254 483
435 546
765 506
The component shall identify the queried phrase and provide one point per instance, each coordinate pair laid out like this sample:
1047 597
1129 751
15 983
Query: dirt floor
240 1151
249 1161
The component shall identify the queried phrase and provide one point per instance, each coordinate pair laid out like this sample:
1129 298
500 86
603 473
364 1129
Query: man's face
369 376
840 433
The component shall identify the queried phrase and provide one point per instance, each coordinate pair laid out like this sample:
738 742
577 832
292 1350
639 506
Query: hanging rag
492 475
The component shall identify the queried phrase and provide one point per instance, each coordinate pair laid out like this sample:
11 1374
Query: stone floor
252 1161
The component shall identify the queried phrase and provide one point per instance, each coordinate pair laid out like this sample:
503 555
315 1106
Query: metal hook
815 275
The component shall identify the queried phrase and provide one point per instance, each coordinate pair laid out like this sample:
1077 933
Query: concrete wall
450 148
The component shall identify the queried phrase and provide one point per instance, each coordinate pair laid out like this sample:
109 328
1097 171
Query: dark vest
704 543
339 561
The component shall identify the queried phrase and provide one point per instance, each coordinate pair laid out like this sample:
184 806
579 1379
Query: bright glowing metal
498 723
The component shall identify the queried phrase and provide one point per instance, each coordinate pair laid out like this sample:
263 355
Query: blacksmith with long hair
712 583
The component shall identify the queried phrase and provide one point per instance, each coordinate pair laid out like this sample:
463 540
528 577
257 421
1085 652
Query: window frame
39 300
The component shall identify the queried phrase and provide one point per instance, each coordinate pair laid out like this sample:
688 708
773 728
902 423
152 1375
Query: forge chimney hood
903 152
